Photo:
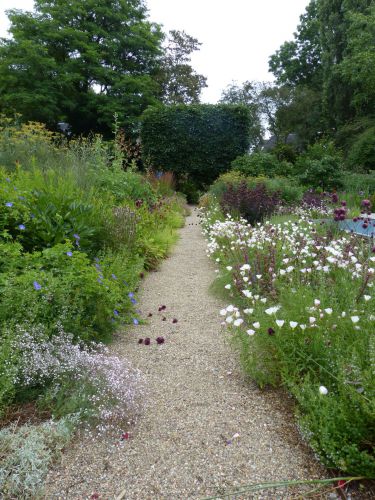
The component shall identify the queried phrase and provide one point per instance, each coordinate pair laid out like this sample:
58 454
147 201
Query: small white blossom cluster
112 388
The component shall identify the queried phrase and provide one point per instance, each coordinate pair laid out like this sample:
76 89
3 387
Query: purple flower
271 331
115 312
131 294
162 308
69 254
114 276
174 320
7 179
22 227
9 204
76 236
135 321
160 340
147 341
37 286
133 301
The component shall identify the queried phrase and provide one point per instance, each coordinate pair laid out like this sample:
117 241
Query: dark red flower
174 320
149 315
164 318
147 341
140 341
162 308
124 436
271 331
160 340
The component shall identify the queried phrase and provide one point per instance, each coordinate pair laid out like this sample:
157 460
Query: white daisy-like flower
312 320
293 324
245 267
250 332
272 310
256 324
317 302
328 310
367 297
228 287
263 300
229 268
248 310
303 327
230 308
280 322
229 319
238 322
343 314
223 312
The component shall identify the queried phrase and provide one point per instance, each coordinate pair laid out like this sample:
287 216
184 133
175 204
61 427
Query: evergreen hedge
197 141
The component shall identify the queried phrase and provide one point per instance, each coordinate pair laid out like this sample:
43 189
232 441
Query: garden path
206 430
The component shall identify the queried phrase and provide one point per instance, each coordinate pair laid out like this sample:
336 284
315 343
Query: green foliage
261 164
361 155
288 189
48 69
199 141
27 454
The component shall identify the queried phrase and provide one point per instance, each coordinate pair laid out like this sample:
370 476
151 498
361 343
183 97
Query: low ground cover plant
301 314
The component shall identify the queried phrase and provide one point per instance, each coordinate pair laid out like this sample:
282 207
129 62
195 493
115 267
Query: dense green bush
325 173
260 163
198 141
361 157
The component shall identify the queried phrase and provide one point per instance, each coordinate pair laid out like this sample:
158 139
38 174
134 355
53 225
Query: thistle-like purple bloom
271 331
37 286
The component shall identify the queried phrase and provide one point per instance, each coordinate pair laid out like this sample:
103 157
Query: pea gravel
205 431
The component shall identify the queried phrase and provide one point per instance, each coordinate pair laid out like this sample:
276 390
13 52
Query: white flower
229 319
230 308
247 293
367 297
293 324
245 267
272 310
218 260
328 310
248 311
289 269
258 276
246 279
229 268
303 327
312 320
343 314
323 390
250 332
280 322
228 287
223 312
355 319
317 302
282 272
238 322
263 300
256 324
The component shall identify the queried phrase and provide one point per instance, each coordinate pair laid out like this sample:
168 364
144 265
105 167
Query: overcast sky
238 36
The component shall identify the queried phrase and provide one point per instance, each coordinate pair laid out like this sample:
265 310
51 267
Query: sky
237 36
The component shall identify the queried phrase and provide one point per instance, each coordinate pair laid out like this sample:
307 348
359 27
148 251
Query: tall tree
80 62
246 94
180 84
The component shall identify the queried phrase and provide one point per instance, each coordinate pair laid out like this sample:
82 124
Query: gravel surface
206 431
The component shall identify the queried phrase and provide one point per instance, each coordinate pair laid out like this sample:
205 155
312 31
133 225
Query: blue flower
9 204
76 236
100 281
135 321
114 276
21 197
133 301
115 312
22 227
96 259
131 295
37 286
69 254
7 179
98 267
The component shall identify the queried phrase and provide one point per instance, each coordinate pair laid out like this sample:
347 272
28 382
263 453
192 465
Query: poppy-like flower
160 340
303 327
37 286
323 390
174 320
69 254
9 204
130 295
147 341
22 227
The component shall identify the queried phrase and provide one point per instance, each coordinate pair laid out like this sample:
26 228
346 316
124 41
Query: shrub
261 164
325 174
288 189
254 204
199 141
361 155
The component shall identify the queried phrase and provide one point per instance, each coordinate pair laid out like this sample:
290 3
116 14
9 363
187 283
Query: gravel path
183 445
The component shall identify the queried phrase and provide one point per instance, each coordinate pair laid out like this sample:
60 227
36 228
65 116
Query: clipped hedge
198 141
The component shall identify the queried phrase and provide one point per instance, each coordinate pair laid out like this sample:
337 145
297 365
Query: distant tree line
325 81
81 62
